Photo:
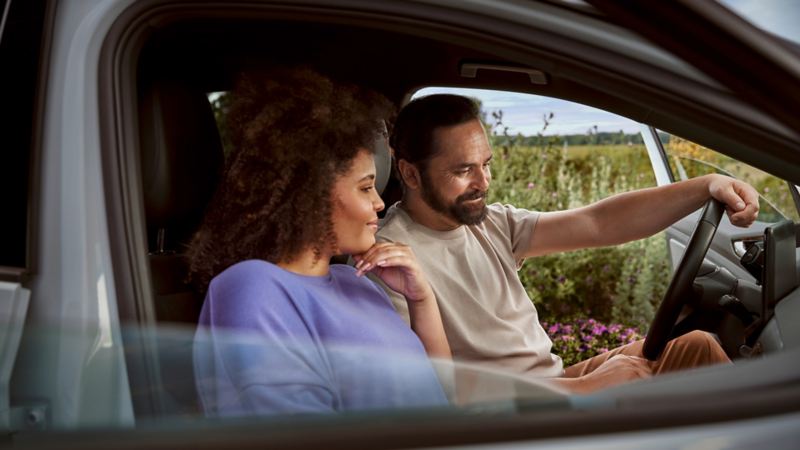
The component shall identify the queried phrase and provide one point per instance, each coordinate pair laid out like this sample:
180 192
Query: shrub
621 284
585 338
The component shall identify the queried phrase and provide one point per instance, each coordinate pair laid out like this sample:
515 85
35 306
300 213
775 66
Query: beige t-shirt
488 317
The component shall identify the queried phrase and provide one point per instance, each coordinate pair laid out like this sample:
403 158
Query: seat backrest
181 161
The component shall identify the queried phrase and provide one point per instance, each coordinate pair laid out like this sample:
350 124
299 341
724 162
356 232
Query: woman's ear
409 174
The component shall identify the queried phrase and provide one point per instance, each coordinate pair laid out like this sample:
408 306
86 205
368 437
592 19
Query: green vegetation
620 284
595 299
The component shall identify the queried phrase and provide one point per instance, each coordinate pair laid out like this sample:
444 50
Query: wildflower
562 279
531 185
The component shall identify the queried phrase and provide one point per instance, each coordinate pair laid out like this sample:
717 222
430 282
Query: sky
522 113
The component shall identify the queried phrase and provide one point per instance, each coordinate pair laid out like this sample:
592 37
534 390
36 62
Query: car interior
181 60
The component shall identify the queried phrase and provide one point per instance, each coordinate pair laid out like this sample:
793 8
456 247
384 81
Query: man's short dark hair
413 133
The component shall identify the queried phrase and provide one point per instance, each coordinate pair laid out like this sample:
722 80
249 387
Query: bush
621 284
586 338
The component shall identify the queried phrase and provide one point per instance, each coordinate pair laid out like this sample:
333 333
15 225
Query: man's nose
482 179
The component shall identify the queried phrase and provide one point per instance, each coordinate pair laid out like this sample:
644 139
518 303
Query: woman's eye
367 188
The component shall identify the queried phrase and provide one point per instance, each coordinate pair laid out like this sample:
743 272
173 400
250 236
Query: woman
308 336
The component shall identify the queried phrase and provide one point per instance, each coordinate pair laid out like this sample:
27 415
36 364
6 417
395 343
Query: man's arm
637 214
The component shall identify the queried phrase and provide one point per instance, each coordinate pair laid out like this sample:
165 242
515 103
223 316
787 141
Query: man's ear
409 174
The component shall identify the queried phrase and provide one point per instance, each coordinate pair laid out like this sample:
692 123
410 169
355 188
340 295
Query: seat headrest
383 163
181 155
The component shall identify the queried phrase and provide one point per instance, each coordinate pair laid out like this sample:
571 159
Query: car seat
181 161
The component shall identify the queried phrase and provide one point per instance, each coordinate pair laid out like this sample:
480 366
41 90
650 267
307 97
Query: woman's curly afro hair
293 132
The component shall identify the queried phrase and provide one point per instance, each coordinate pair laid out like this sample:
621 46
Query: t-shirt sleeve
521 225
266 349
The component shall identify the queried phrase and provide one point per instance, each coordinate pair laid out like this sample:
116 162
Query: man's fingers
731 198
747 193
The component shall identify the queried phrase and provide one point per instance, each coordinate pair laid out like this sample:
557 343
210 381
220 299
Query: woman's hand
396 265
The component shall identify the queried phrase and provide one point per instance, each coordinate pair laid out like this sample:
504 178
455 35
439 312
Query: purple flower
562 279
531 185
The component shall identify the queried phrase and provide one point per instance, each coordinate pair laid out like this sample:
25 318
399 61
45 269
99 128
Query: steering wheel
681 283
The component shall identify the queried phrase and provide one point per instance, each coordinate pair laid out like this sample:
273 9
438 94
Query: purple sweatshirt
273 341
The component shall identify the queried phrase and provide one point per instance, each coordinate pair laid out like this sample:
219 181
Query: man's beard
458 211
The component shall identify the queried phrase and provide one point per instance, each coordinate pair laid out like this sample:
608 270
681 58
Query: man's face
456 180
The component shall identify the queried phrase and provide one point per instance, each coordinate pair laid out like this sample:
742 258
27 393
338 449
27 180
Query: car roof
397 48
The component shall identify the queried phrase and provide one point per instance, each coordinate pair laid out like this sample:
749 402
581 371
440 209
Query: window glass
552 154
688 159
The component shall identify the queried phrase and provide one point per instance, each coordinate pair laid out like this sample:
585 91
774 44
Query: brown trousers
693 349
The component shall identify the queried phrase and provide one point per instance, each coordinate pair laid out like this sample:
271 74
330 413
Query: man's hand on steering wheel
740 199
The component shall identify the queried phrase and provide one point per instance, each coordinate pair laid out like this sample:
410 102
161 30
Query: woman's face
355 206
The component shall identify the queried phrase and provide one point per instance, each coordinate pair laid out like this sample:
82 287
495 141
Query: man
471 252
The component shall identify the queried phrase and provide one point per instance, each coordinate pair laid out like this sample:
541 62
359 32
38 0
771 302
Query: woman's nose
377 202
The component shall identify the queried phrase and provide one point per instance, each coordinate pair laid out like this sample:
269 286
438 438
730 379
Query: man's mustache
474 195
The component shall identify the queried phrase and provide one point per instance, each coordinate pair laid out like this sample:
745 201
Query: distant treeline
599 138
